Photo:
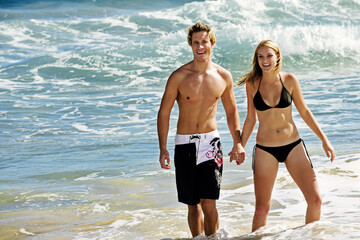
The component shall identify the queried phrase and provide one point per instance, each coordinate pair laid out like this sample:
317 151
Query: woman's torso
273 103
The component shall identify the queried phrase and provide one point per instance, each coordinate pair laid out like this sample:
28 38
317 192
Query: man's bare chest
202 89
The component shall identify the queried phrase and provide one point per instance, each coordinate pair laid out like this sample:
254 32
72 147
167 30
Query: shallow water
81 84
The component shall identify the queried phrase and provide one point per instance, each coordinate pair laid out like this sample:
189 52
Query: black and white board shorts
198 166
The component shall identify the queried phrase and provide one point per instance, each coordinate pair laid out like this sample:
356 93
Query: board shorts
198 166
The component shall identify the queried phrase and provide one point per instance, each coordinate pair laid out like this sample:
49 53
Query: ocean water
80 86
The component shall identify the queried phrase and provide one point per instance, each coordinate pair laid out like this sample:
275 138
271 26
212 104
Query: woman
269 97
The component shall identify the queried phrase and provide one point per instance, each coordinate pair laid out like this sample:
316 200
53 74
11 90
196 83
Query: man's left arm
233 120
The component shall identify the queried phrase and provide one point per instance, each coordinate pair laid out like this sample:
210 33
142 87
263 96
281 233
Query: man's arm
233 120
167 102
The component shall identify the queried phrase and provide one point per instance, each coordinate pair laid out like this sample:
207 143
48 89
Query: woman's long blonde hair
256 72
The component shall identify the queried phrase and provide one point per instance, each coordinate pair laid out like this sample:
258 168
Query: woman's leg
265 171
300 169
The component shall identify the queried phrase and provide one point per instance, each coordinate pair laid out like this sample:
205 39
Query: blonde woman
270 94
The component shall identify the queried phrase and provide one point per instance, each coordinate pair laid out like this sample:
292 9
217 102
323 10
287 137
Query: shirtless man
197 87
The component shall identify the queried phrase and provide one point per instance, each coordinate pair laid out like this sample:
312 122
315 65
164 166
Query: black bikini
279 152
285 99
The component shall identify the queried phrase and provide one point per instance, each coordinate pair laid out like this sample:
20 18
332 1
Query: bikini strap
281 80
259 83
307 153
253 159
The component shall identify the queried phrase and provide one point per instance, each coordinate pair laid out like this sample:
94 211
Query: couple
197 87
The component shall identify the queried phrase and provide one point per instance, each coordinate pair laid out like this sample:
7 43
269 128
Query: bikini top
285 99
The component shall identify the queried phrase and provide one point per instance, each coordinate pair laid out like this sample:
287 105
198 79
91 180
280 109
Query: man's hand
164 159
237 153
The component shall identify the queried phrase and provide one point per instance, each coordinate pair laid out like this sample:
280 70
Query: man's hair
198 27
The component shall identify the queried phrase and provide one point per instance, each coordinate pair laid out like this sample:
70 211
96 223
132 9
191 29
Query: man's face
201 46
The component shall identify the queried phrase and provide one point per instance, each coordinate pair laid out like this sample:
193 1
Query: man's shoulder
181 71
224 73
219 68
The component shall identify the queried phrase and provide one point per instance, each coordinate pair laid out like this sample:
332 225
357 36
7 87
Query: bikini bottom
281 152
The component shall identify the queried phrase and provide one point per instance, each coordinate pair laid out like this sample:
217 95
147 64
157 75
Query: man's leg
211 217
195 220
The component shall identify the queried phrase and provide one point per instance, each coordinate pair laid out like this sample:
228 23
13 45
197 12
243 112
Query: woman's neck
270 77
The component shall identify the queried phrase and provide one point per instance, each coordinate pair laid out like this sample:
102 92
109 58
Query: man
197 87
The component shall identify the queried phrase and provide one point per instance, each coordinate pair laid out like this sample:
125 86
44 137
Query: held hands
237 154
164 159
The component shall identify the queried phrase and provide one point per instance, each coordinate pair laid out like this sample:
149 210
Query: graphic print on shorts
216 151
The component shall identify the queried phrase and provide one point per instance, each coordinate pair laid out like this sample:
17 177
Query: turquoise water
80 87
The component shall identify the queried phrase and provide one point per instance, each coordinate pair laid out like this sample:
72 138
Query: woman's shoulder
288 78
290 82
252 86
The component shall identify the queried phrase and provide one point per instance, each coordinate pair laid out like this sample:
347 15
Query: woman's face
267 59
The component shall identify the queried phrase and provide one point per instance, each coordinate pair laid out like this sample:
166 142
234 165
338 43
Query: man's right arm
167 103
